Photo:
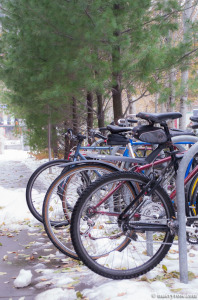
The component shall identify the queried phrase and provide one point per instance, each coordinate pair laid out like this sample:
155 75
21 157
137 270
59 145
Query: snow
14 208
14 215
57 294
23 279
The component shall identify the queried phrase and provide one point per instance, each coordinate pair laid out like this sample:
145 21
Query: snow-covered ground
162 282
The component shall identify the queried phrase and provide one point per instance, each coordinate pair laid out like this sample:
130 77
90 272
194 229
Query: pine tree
58 51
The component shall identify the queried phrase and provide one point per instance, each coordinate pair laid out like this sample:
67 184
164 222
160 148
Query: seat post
171 147
166 129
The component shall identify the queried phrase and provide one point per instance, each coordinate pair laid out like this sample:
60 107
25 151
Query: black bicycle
121 233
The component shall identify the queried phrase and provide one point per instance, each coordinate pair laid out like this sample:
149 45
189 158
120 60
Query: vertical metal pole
181 215
149 243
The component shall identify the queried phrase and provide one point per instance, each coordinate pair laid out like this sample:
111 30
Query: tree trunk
69 144
156 102
117 100
100 110
54 141
67 140
131 104
183 99
163 107
186 17
116 74
74 115
89 113
132 108
171 100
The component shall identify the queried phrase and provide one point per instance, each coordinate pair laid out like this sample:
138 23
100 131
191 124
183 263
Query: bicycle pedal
134 237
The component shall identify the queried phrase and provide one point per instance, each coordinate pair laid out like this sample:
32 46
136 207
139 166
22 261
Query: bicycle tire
35 205
192 195
55 213
86 254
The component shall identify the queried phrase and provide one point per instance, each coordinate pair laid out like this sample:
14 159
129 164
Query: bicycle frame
126 152
140 169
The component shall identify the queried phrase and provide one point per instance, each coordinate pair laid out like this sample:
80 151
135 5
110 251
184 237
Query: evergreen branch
163 16
47 22
3 9
187 54
86 12
57 31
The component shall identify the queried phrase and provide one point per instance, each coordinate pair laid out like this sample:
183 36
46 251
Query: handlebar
79 137
69 132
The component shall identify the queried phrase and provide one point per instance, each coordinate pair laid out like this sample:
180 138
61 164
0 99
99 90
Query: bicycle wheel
96 214
192 195
60 200
38 184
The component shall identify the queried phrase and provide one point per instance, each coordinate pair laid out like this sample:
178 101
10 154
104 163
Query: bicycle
72 183
109 212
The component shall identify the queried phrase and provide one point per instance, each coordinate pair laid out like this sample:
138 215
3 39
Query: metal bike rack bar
181 215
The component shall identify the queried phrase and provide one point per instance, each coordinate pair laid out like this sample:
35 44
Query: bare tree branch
133 101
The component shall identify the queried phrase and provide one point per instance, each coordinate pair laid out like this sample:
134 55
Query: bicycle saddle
194 119
177 132
118 129
158 118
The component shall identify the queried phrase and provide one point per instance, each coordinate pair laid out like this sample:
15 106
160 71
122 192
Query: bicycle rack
183 264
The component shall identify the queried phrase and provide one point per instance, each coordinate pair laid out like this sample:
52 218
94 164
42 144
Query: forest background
81 64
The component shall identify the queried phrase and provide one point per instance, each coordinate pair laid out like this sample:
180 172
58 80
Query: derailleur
192 233
191 230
